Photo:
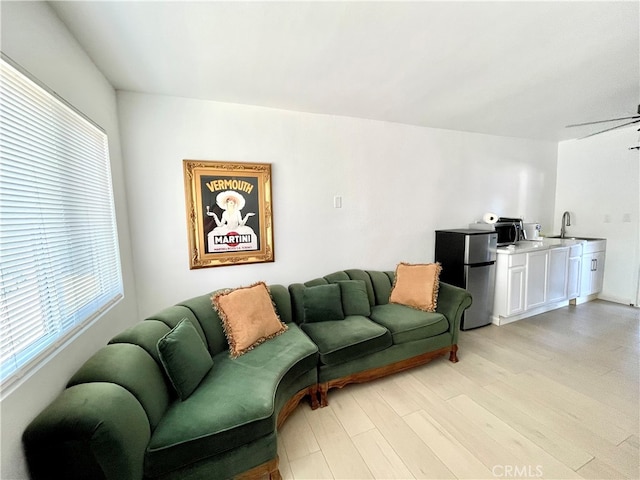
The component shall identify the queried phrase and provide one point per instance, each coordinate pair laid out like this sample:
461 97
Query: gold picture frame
229 215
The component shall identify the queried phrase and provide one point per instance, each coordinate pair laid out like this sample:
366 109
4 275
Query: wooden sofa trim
379 372
270 470
266 471
293 402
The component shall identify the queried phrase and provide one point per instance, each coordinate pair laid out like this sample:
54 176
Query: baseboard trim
500 320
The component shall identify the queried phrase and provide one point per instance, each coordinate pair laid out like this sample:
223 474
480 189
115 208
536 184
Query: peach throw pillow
248 317
417 286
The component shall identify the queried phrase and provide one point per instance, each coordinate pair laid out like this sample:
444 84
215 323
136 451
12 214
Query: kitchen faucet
566 222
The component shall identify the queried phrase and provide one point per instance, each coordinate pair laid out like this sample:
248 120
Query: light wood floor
552 396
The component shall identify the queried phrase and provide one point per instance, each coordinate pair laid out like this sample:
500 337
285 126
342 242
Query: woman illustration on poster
232 204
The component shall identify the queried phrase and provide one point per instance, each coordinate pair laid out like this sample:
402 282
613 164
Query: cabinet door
536 286
586 272
573 277
557 277
515 290
592 273
597 274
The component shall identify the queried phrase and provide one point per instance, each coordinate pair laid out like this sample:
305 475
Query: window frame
88 289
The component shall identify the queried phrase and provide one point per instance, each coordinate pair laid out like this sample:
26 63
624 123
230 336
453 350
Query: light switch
337 201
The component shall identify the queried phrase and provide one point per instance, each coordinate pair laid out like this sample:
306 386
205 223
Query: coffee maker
532 231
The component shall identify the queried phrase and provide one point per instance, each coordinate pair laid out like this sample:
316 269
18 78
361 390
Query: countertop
543 243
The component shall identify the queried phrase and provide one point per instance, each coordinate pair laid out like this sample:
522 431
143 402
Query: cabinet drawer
595 246
575 251
518 260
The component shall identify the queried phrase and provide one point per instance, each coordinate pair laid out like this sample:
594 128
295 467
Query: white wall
399 183
34 37
599 184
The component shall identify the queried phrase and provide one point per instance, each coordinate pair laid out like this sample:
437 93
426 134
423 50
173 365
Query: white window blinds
59 259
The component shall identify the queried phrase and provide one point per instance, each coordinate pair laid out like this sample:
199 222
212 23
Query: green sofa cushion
322 303
344 340
356 274
355 300
184 357
407 324
203 426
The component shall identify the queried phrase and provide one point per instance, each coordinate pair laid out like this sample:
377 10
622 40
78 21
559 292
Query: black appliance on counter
468 260
509 230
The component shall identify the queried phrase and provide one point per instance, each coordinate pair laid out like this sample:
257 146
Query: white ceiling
522 69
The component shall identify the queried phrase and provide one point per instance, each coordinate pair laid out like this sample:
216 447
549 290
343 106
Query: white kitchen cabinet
597 276
515 290
592 273
573 271
536 278
592 270
557 274
510 285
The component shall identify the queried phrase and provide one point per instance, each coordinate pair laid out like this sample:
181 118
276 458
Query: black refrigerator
468 259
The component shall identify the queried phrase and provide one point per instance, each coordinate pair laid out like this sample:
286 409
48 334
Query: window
59 258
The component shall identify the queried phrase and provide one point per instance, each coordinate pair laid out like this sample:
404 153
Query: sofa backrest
378 285
133 368
131 358
171 316
382 283
282 300
207 321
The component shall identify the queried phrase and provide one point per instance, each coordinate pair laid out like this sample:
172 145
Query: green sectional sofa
120 417
378 338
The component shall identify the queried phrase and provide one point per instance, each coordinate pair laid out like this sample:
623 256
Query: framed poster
229 219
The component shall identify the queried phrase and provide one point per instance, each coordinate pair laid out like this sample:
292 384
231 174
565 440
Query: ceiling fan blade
609 129
602 121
